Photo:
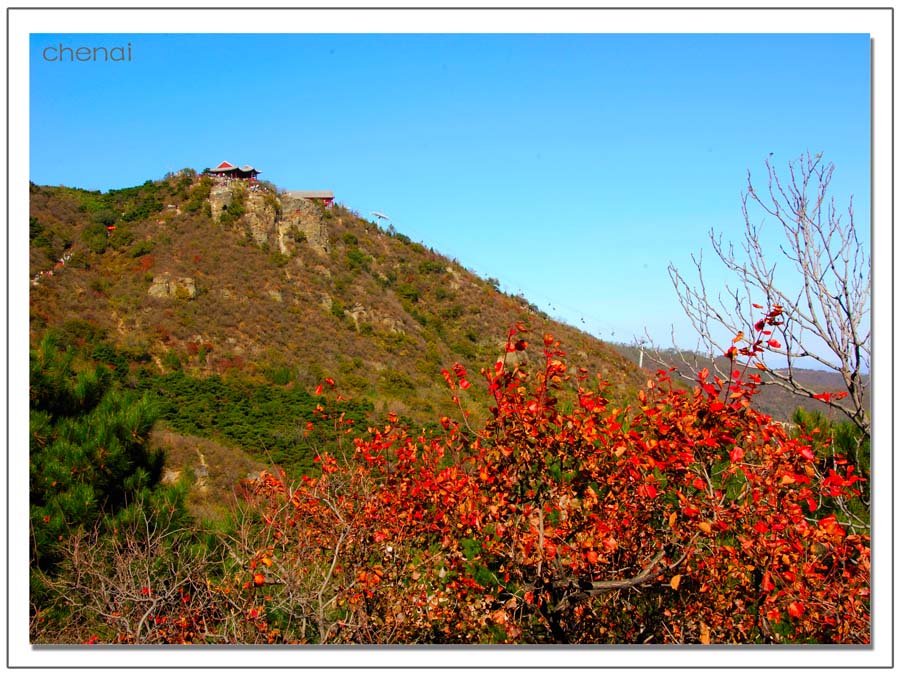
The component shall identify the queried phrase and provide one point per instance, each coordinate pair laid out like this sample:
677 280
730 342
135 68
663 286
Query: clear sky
572 168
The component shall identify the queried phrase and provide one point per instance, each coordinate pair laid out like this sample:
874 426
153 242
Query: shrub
692 518
407 291
431 267
142 248
199 195
395 383
95 237
356 259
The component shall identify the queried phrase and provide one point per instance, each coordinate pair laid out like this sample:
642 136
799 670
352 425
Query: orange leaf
675 581
704 633
706 527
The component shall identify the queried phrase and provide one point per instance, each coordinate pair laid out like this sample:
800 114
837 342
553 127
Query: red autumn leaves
701 517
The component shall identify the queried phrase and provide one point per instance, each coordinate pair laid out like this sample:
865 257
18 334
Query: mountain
255 288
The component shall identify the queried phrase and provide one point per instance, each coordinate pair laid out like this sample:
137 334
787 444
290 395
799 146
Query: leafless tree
826 304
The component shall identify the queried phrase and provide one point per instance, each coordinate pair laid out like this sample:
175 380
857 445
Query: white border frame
697 19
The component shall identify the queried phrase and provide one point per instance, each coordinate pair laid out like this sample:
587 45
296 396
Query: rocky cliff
275 219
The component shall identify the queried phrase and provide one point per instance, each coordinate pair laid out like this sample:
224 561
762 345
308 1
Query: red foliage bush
690 518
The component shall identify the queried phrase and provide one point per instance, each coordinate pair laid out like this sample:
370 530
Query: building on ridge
228 172
325 197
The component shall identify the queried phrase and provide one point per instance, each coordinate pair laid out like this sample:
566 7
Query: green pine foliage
89 455
268 421
837 444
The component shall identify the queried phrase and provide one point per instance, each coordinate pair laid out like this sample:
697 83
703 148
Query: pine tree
89 451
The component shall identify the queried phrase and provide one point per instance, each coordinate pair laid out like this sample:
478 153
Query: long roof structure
311 194
226 168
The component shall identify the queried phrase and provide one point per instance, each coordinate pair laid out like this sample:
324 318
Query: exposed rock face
220 196
260 218
359 314
182 288
303 217
298 220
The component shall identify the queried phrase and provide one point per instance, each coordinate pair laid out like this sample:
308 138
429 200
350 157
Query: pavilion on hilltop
226 171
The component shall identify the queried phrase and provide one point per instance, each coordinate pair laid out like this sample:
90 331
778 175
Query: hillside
265 289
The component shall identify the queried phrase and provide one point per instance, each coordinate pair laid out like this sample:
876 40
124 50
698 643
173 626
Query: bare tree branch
826 303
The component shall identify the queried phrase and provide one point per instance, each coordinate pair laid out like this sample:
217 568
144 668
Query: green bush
199 195
395 383
356 259
431 267
266 420
143 247
95 237
408 292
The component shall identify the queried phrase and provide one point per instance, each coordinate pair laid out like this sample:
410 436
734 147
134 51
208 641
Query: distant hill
772 399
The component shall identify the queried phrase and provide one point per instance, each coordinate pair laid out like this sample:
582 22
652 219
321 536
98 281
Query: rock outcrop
302 217
260 218
283 221
359 315
181 288
220 196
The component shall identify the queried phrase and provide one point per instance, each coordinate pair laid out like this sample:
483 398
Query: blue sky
572 168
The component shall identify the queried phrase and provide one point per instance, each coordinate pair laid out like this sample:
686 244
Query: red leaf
774 344
647 490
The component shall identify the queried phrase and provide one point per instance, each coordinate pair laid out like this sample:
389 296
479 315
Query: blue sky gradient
572 168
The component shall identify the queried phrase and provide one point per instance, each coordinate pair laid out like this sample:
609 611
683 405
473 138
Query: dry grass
215 469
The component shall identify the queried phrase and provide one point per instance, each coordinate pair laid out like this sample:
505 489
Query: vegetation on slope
377 312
